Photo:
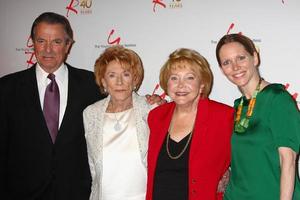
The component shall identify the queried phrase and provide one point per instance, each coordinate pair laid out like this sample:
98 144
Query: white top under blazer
124 175
101 145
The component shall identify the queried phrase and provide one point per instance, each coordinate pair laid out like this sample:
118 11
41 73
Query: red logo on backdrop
162 95
230 28
294 95
158 2
30 52
71 7
113 41
172 4
85 7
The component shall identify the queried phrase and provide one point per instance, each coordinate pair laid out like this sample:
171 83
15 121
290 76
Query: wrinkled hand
224 181
155 99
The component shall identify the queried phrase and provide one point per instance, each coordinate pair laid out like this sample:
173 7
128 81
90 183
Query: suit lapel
161 130
72 106
29 91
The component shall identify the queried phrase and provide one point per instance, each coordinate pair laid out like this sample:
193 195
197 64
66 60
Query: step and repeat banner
155 28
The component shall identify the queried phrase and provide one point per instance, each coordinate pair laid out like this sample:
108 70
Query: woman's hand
223 182
155 99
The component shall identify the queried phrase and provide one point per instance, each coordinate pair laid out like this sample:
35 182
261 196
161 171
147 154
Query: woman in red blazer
189 144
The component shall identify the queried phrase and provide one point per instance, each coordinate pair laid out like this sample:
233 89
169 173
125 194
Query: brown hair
198 64
53 18
246 42
126 57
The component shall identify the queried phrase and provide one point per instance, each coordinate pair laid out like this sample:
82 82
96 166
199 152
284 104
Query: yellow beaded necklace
240 125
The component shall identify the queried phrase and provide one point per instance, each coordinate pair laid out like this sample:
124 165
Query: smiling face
119 82
50 46
184 85
238 65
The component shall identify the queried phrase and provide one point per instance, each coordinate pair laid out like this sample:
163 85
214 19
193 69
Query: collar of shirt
61 77
42 79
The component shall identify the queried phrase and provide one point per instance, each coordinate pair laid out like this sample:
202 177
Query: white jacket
93 117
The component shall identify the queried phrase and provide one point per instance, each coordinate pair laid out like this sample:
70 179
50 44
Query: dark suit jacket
209 154
31 165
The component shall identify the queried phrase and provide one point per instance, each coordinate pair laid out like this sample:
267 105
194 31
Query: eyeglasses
240 59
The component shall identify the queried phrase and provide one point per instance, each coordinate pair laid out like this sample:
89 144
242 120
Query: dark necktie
51 107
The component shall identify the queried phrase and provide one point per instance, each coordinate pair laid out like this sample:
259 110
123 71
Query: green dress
255 167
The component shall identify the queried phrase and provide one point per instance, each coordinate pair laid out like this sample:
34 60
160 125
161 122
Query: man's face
50 45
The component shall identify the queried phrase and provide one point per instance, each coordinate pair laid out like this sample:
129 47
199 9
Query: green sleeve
285 121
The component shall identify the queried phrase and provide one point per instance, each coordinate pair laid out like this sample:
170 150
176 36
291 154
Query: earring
105 91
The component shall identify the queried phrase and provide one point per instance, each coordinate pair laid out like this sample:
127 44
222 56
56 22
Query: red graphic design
156 88
31 56
163 95
31 59
115 41
29 42
295 95
230 28
159 2
71 7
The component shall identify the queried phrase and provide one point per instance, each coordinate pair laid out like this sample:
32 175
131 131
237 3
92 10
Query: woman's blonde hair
197 63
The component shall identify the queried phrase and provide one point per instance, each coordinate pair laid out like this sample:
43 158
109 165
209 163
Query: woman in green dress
266 136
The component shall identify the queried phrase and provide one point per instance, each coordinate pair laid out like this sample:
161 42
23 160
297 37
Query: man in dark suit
35 163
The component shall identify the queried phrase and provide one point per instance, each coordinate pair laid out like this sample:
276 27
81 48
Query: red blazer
209 151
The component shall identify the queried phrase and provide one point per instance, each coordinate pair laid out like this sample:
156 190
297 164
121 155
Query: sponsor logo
114 39
29 52
232 28
83 7
159 3
160 93
171 4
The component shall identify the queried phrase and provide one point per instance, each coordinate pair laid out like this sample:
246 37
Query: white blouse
93 117
124 175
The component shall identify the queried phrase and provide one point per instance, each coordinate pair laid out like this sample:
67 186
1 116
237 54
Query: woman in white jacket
116 128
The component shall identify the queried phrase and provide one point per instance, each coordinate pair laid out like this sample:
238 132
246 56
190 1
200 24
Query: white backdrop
155 28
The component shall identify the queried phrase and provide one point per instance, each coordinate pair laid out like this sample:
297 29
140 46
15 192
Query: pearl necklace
118 125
